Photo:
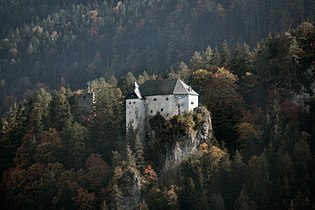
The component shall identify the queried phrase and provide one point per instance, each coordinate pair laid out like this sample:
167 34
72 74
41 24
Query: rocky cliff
167 144
171 141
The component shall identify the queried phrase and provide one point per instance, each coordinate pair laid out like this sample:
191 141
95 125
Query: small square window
166 99
134 102
192 103
161 109
151 111
154 99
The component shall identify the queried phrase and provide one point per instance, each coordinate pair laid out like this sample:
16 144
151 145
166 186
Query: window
161 109
151 111
154 99
129 102
192 103
166 99
134 102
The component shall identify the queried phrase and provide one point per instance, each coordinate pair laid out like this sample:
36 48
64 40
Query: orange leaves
150 174
217 152
204 147
97 171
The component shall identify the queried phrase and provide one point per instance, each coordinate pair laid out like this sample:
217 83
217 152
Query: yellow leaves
204 148
226 74
183 123
201 73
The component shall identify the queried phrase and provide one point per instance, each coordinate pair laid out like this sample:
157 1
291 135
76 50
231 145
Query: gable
182 88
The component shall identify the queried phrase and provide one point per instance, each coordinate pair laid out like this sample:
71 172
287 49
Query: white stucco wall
160 103
168 105
181 103
192 102
135 114
138 111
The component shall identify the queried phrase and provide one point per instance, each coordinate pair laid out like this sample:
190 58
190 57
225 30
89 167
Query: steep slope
171 141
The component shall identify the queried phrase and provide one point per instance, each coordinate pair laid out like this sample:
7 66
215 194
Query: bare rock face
171 141
126 185
132 192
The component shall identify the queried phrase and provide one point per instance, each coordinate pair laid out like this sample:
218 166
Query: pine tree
225 54
216 202
60 113
243 202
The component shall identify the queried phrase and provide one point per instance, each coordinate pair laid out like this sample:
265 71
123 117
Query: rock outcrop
171 141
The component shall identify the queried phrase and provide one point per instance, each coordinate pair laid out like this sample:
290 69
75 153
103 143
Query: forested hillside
54 155
65 43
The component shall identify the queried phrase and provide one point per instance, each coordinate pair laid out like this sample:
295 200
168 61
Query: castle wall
168 105
135 114
162 104
192 102
181 103
86 102
138 111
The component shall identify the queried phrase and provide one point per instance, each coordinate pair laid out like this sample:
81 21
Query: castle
166 97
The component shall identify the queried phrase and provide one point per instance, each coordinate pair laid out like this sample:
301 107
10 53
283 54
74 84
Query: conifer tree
216 202
60 113
243 202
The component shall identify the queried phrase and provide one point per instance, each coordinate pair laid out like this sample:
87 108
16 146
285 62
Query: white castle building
166 97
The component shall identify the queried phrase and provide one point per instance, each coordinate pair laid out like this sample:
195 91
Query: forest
66 43
251 63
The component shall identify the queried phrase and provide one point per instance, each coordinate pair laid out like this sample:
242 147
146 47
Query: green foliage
105 126
217 202
243 202
172 129
76 145
60 114
226 105
67 43
50 148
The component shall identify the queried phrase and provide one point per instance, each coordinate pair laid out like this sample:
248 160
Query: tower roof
161 87
165 87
